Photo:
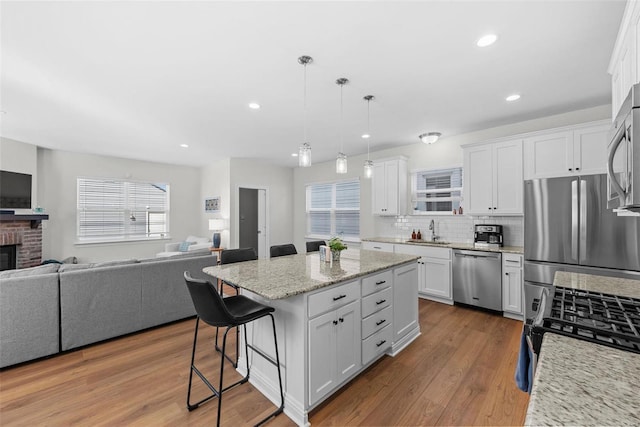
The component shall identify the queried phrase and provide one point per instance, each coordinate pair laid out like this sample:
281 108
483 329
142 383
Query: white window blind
112 210
437 190
334 209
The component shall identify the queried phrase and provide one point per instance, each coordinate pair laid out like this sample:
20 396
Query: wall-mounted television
15 190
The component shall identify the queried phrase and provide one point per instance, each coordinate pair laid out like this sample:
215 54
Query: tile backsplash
451 228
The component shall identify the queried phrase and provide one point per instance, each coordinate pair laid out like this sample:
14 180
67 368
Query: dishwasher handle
476 254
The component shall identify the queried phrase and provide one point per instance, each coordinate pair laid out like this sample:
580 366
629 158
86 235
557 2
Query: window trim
414 191
126 210
332 210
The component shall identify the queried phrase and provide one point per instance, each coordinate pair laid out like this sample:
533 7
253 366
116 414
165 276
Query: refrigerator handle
583 218
574 220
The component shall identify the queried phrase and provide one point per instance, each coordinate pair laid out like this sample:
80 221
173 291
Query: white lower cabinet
377 246
512 285
405 301
434 271
334 349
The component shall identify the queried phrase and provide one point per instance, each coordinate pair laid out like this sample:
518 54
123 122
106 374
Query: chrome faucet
432 227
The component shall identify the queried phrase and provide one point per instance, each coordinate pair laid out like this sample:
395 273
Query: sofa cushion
73 267
33 271
184 246
195 239
115 263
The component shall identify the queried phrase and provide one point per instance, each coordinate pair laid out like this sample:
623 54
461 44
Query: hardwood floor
458 372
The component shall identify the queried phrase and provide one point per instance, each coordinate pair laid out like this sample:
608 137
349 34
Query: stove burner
601 318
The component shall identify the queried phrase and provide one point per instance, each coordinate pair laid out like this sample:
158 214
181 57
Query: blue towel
524 367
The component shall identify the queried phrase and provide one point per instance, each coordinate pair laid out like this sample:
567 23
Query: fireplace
21 240
7 257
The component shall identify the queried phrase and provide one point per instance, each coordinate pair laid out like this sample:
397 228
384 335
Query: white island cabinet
333 319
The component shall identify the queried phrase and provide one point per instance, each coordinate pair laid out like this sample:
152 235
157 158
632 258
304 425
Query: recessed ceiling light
513 97
294 154
366 136
487 40
184 145
254 106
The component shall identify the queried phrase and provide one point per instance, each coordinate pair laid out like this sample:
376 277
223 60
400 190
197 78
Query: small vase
335 255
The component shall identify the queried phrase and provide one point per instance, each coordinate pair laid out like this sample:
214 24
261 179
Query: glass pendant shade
304 156
341 163
368 168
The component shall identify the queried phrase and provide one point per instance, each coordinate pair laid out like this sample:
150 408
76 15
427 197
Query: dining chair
230 312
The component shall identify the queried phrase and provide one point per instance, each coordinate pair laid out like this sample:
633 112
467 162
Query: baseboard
400 345
436 299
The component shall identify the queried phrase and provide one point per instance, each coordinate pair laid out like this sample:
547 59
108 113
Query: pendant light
341 160
368 164
304 153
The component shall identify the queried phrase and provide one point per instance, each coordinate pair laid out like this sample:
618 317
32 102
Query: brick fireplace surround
28 241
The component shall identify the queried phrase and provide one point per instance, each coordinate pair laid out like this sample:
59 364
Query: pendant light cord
341 123
304 105
368 126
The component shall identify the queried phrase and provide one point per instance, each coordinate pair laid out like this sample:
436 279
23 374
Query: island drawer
377 301
376 282
376 321
376 344
333 298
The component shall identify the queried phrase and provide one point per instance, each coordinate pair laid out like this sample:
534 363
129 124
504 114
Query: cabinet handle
513 261
335 322
381 282
380 343
377 247
494 208
570 169
506 274
381 301
339 297
577 169
341 319
381 322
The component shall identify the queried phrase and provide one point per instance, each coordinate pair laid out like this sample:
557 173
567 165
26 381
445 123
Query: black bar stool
231 256
314 246
230 312
282 250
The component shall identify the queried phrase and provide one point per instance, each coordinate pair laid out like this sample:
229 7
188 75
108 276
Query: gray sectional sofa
55 308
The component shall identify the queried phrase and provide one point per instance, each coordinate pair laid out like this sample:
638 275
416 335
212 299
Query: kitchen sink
430 242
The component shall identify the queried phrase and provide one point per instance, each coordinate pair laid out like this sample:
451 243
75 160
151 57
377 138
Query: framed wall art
212 204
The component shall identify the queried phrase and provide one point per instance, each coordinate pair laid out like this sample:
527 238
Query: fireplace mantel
34 218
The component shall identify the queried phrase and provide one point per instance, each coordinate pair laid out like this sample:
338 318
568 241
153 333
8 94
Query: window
333 209
437 190
114 210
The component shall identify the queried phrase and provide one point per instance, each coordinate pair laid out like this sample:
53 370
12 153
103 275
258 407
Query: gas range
600 318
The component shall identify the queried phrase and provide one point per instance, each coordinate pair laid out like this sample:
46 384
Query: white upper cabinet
493 178
578 150
624 65
389 187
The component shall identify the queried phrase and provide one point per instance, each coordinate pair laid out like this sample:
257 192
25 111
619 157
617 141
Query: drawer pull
381 322
513 261
377 247
339 297
380 343
381 282
381 302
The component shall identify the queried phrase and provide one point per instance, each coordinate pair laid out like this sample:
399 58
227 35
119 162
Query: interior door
262 223
248 218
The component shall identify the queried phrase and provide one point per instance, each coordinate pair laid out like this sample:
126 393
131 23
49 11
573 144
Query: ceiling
137 79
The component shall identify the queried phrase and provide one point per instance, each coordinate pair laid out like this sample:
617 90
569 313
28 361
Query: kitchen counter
283 277
606 285
467 246
581 383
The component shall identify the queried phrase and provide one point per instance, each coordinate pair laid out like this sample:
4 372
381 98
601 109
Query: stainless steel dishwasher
477 278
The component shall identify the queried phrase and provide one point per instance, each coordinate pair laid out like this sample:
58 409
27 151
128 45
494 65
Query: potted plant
336 245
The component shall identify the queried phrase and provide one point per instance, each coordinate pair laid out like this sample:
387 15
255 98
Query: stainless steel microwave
623 156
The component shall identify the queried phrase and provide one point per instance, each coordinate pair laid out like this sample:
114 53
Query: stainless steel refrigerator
567 227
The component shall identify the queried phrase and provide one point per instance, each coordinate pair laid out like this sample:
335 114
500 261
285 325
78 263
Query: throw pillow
184 246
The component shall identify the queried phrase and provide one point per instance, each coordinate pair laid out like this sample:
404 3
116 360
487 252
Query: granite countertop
451 245
606 285
286 276
582 383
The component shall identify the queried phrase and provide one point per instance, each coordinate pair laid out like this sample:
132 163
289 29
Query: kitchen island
582 383
333 319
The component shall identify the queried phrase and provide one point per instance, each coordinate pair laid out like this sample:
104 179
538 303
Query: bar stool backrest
229 256
208 303
314 246
282 250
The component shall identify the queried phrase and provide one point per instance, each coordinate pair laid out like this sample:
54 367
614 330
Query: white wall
446 152
22 158
216 181
58 173
278 181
